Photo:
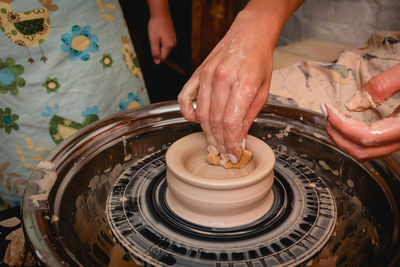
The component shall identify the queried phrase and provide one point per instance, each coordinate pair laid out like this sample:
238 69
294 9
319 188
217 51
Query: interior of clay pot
194 163
189 158
70 224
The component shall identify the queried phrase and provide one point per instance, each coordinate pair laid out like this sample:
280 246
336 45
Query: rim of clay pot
264 166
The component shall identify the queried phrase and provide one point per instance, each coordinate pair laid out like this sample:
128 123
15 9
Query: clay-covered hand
367 141
232 83
161 30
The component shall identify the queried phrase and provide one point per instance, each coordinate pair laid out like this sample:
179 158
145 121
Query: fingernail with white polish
324 111
244 143
232 158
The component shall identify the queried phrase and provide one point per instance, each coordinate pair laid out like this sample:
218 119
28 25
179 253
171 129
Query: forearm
232 84
271 16
158 8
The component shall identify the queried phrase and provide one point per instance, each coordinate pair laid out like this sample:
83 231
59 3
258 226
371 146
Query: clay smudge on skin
236 110
232 46
241 55
190 88
245 91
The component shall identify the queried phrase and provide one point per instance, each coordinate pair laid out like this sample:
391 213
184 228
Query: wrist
158 8
262 33
268 17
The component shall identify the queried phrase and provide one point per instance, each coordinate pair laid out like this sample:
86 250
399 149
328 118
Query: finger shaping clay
217 160
212 196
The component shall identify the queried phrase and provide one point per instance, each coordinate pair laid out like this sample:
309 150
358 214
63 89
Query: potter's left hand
161 30
367 141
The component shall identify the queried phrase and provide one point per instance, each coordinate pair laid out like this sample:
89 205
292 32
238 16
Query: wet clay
213 196
360 101
219 161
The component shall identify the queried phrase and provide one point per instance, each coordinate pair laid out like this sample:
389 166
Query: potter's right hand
367 141
232 83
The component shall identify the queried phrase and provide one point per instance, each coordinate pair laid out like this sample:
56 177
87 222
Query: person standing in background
64 65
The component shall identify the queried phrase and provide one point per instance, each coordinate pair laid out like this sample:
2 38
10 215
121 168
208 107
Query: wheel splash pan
63 207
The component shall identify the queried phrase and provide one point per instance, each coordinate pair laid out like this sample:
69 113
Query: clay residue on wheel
90 215
44 177
354 233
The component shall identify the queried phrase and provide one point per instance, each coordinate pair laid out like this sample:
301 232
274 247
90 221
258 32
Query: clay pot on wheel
213 196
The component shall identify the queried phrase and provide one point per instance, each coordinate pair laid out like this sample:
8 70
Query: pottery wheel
298 225
107 206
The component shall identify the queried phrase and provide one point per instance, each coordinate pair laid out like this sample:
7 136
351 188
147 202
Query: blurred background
318 30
